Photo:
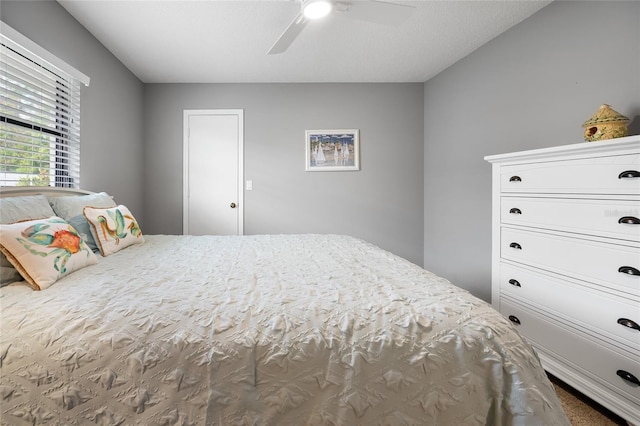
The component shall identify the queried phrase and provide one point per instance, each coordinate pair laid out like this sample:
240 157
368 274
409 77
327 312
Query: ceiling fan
380 12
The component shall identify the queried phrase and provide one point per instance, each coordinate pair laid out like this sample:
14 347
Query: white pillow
16 209
113 228
44 250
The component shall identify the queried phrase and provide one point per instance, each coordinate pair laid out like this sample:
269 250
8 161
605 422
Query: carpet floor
581 410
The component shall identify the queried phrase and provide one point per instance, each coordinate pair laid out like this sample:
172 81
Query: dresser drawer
605 264
607 218
593 310
603 175
591 357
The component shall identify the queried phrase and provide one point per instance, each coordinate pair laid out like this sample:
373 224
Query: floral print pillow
44 250
113 228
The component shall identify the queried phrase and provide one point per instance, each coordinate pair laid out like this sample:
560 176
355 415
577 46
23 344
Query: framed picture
332 150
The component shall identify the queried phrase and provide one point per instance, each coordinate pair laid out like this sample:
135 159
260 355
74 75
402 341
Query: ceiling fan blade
286 38
380 12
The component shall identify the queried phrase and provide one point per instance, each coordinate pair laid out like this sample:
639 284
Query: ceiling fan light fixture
317 9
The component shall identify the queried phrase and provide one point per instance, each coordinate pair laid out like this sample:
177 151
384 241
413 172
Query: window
39 117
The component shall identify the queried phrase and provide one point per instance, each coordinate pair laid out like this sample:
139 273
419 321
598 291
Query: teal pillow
84 230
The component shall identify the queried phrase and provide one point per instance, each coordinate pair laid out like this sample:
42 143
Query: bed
255 330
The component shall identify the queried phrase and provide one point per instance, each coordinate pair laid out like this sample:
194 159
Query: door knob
233 205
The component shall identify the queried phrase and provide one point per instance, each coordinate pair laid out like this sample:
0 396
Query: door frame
187 113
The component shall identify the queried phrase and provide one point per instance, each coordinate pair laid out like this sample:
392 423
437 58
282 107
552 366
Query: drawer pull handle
629 323
515 246
629 174
625 375
629 220
514 283
514 319
515 211
629 270
515 179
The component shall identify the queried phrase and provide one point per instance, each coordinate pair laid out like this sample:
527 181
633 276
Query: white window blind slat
27 67
30 145
37 95
13 38
26 145
17 83
39 117
50 98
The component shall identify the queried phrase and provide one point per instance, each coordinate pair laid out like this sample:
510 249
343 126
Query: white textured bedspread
263 330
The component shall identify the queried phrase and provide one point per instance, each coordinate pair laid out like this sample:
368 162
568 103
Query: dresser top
626 145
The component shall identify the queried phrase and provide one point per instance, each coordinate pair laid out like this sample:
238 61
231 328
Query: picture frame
332 150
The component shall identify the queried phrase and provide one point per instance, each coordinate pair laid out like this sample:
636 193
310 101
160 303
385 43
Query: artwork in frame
332 150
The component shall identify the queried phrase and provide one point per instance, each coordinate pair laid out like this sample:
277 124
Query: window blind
39 119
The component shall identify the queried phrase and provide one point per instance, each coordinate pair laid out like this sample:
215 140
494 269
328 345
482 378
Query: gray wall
382 203
531 87
111 121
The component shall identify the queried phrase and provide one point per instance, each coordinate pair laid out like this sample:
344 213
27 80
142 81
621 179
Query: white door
213 175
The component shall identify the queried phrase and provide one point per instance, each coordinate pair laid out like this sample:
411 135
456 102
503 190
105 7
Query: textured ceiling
227 41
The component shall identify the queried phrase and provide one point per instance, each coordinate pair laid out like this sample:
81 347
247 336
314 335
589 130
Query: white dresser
566 262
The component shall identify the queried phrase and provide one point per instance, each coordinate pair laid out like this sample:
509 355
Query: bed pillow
44 250
69 207
8 274
113 228
84 230
16 209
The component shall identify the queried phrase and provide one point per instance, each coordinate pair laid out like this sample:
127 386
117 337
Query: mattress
263 330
